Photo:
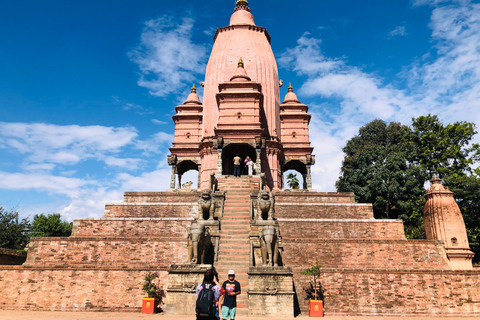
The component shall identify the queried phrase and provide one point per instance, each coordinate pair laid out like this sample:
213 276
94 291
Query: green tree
377 169
292 181
50 226
13 230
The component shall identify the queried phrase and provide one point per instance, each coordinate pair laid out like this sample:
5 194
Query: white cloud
398 31
158 122
48 143
448 86
42 182
167 57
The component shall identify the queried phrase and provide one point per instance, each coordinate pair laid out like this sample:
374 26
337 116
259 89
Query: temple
268 234
241 112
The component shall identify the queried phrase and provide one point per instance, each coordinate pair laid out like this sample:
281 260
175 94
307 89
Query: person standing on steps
232 290
236 165
249 164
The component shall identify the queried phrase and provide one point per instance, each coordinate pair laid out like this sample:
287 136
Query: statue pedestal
270 292
181 286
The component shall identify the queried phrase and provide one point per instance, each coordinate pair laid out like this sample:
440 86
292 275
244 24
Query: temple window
239 115
188 135
294 134
454 241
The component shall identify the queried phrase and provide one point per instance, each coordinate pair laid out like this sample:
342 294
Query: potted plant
149 304
314 293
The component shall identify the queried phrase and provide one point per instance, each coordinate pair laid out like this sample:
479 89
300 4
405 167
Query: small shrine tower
444 221
241 112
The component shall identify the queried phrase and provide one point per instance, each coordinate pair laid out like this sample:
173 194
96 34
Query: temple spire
194 89
242 3
290 88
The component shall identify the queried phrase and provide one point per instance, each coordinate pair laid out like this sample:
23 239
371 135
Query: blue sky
88 88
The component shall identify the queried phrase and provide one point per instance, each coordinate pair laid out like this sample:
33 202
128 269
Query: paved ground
50 315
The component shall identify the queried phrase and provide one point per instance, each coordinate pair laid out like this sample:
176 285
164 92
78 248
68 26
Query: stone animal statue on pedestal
213 182
199 244
269 245
265 205
206 205
194 235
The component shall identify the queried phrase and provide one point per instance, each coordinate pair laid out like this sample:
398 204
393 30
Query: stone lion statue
265 204
206 205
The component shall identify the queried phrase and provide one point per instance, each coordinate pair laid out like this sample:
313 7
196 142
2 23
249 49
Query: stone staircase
234 248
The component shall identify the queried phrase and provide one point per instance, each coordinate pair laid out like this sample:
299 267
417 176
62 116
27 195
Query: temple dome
252 43
240 74
193 97
242 17
290 96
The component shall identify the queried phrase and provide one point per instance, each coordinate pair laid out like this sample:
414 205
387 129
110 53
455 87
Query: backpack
205 306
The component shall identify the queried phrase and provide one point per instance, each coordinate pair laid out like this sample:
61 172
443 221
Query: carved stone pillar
258 164
309 177
179 181
199 176
172 178
219 162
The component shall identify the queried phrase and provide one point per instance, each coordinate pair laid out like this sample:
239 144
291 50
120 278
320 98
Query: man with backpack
232 290
208 294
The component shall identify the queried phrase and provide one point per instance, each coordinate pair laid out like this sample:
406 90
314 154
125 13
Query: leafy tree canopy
50 226
13 231
292 181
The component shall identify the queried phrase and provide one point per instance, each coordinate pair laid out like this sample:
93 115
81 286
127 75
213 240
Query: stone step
231 262
233 243
232 232
228 251
234 257
245 226
237 236
231 222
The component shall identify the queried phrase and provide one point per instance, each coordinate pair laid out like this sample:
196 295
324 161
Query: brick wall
106 252
339 229
396 292
364 253
132 227
323 210
76 290
306 196
160 210
171 196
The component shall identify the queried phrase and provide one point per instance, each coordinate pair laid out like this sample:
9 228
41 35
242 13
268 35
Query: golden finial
194 89
290 88
240 63
242 3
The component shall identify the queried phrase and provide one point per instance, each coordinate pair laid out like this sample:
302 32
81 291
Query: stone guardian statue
206 205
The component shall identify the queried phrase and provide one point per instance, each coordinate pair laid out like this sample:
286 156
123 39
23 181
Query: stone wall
320 210
171 196
152 210
132 227
307 196
395 292
364 253
74 289
77 252
341 229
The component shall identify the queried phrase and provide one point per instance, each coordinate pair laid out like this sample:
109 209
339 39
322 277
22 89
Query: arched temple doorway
230 151
295 166
184 167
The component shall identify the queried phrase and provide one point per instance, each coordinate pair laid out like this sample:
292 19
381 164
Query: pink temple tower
241 112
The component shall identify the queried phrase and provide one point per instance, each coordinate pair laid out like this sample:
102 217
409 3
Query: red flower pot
149 305
315 308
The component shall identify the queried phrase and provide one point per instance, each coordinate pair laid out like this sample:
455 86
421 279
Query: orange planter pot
149 305
315 308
